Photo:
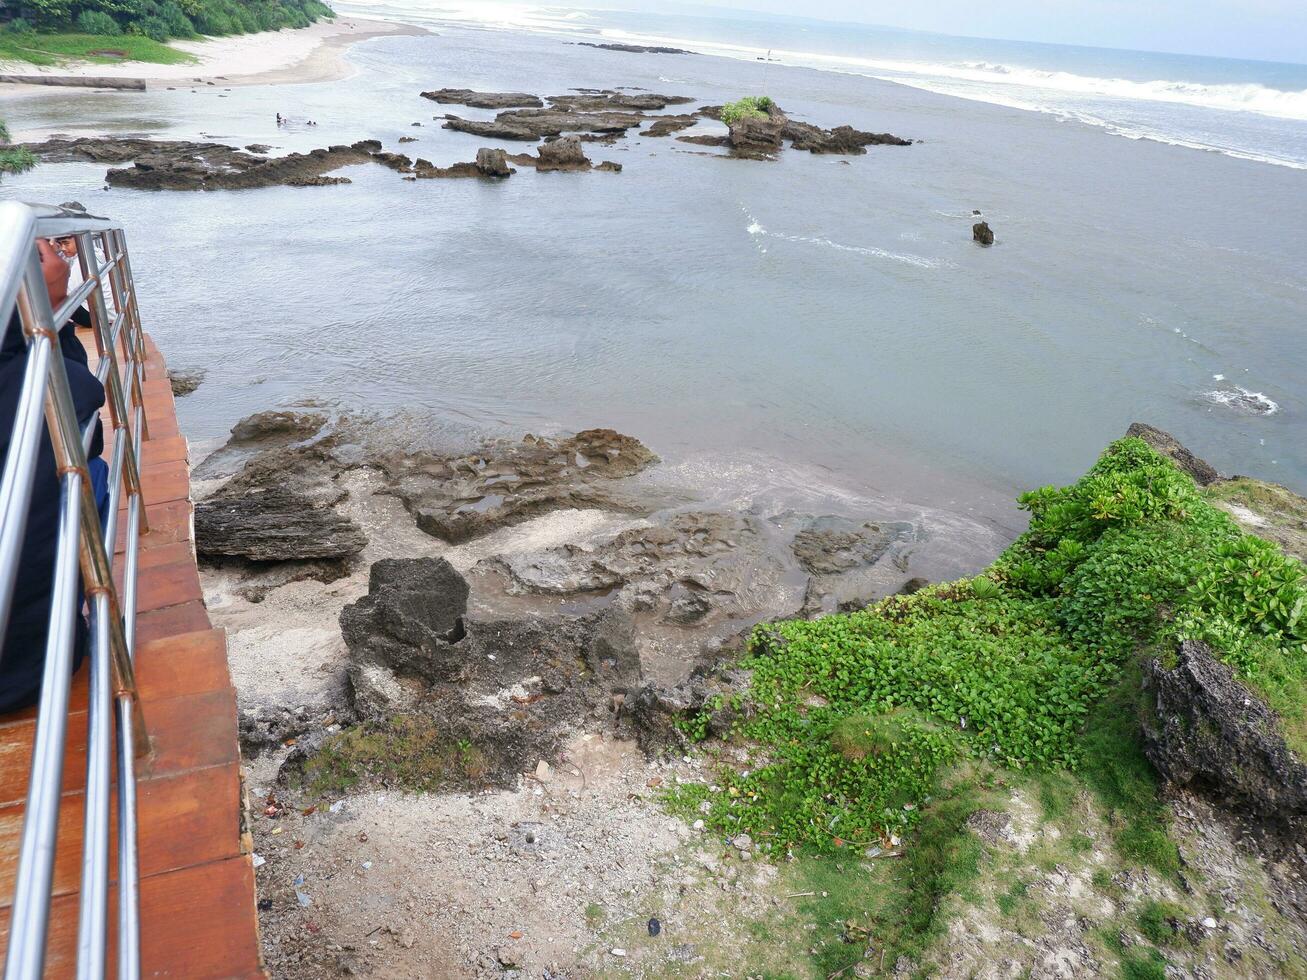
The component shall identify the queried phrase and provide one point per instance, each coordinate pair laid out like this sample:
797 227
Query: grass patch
749 107
408 752
1161 922
52 49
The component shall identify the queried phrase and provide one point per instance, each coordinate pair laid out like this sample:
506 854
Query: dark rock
635 49
826 548
534 124
913 585
602 100
666 125
259 148
281 426
184 381
408 139
705 140
841 139
411 620
1205 730
608 166
317 181
1170 447
484 100
980 232
612 654
758 138
274 524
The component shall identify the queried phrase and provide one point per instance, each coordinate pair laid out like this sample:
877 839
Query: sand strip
311 54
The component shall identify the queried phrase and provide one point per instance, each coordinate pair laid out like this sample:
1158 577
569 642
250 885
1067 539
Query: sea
813 322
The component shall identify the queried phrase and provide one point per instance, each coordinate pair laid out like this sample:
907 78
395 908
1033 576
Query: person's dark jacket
22 655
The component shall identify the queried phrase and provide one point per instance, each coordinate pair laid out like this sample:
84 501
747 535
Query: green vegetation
13 159
1160 922
51 49
408 751
862 722
80 28
750 107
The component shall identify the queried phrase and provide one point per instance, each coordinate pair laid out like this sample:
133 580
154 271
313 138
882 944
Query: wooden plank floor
198 916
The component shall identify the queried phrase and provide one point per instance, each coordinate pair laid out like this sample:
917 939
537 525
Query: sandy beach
311 54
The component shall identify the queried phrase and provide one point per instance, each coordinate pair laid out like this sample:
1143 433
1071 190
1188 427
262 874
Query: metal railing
115 725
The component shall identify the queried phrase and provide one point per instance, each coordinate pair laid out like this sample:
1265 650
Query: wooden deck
198 917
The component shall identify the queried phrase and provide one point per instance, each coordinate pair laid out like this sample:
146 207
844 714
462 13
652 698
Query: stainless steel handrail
114 717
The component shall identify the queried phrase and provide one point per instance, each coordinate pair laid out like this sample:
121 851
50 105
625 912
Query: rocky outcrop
981 233
564 153
666 125
757 137
528 125
511 688
841 139
634 48
185 380
606 100
1205 730
484 100
274 524
1170 447
458 498
182 165
490 163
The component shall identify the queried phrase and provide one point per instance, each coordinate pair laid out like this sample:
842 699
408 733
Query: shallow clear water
815 314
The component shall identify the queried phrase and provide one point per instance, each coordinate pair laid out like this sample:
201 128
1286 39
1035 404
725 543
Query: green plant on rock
749 107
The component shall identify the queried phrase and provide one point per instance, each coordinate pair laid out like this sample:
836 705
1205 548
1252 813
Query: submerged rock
1205 730
484 100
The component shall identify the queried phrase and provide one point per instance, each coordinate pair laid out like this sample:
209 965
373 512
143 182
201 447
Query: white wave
1242 400
756 230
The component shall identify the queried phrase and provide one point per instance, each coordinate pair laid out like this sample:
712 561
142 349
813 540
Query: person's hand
55 270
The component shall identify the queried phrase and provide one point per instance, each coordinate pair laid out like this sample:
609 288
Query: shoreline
285 57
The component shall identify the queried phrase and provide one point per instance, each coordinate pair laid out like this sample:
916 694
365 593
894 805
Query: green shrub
750 107
18 26
97 22
856 713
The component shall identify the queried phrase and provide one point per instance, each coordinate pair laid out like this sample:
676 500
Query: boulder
273 524
411 620
981 233
1205 730
185 380
493 162
1170 447
277 426
758 138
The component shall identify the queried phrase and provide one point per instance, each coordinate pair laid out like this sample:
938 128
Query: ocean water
806 321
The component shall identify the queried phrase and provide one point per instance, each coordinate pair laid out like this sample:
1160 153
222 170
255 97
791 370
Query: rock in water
564 153
484 100
756 138
493 162
1169 446
981 233
184 381
1207 731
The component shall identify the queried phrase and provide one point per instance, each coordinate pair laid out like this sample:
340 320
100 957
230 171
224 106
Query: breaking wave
1242 400
757 231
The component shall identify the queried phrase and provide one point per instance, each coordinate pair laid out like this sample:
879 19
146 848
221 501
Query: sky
1270 30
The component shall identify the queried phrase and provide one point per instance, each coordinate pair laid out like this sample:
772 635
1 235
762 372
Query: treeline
160 20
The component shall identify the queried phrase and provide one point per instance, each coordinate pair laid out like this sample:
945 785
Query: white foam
756 230
1242 400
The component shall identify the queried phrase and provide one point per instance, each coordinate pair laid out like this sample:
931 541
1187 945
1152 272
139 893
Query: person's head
67 247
